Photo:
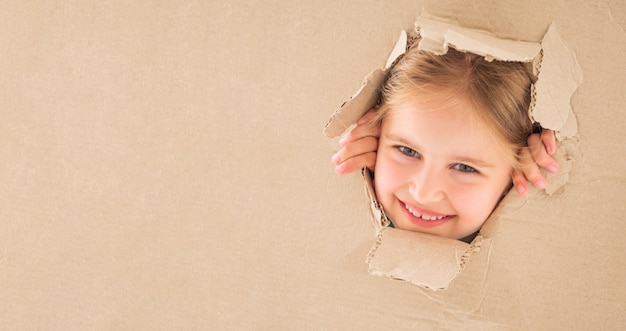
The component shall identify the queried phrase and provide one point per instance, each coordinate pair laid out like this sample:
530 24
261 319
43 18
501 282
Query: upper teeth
424 217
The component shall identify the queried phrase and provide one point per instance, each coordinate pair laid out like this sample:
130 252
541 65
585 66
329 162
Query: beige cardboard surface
162 167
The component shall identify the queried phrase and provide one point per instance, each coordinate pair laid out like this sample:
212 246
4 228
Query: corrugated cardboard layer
161 167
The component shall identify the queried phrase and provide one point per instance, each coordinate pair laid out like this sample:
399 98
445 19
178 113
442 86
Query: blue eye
408 151
463 168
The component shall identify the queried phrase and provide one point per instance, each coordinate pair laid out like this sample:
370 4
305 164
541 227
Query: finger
519 182
359 133
531 170
540 155
356 148
367 117
356 163
549 140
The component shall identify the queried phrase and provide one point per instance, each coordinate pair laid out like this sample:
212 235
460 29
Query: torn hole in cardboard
430 261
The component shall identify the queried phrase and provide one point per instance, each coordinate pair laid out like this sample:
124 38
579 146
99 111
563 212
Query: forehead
443 113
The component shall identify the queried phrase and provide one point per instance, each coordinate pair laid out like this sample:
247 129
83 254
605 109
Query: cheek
473 204
388 175
477 203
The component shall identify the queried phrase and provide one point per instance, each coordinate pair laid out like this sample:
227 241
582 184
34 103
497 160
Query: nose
427 185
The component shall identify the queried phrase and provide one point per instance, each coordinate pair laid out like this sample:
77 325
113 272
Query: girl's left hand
541 147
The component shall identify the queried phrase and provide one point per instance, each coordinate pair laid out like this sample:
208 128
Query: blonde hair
498 92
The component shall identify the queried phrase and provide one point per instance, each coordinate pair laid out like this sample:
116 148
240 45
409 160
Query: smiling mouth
424 217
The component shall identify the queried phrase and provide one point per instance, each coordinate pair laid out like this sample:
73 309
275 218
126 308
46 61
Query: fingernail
541 184
549 150
552 168
521 191
342 141
336 158
340 168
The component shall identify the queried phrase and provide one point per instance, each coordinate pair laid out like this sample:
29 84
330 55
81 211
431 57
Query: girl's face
438 172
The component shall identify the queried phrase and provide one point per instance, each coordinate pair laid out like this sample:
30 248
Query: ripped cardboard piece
559 76
399 254
434 262
363 99
366 96
437 36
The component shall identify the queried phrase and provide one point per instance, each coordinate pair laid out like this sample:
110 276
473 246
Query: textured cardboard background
162 167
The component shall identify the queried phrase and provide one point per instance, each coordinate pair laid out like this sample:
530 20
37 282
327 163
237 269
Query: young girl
453 131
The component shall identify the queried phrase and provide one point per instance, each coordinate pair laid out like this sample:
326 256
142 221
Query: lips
423 217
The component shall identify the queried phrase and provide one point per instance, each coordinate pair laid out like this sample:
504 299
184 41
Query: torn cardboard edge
437 36
366 97
434 262
398 254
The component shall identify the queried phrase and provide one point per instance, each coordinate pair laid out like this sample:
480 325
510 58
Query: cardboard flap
421 259
366 96
398 49
559 76
363 100
437 36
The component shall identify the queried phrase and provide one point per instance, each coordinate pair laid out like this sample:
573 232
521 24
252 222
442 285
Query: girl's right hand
358 146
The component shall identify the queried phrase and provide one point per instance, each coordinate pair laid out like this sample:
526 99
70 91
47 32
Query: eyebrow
458 158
